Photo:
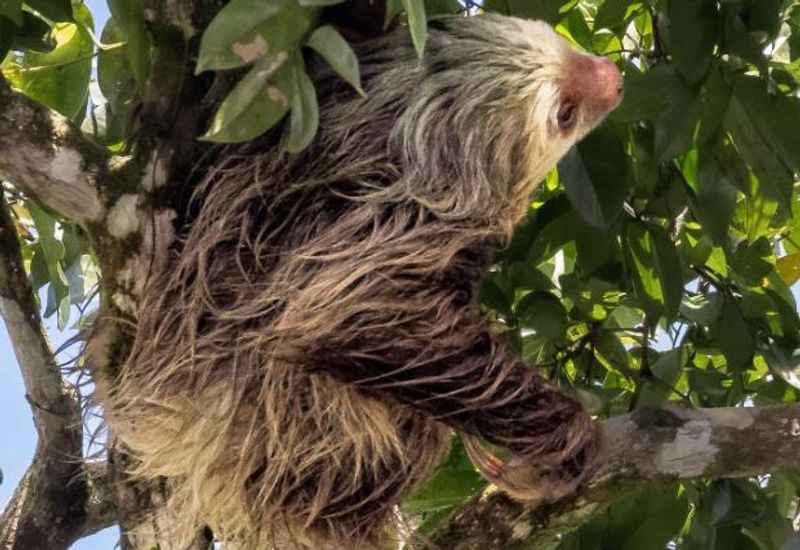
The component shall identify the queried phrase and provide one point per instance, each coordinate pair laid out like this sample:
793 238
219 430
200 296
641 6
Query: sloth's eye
567 115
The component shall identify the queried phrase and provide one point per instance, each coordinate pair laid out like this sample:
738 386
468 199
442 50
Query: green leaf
545 10
492 296
130 18
328 43
594 175
320 3
114 75
35 35
753 261
58 11
117 83
734 338
39 273
526 276
257 102
644 93
442 7
454 481
714 203
611 352
304 120
75 282
613 13
60 79
52 248
667 368
743 121
12 9
703 309
7 31
246 30
417 23
693 30
579 188
655 270
775 116
789 268
543 312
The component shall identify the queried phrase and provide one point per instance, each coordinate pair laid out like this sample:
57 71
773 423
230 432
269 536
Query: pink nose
607 85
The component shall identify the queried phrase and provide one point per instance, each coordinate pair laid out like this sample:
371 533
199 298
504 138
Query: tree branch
644 448
46 157
51 506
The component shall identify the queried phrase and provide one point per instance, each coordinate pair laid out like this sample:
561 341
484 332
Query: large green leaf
129 15
257 102
328 43
417 23
655 270
734 338
12 9
693 28
543 312
304 119
58 11
60 79
247 30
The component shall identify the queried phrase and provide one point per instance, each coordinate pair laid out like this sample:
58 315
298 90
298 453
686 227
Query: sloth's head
473 125
523 80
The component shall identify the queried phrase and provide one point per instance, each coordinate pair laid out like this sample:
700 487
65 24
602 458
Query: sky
16 424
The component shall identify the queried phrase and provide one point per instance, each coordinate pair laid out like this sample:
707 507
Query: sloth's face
572 92
560 93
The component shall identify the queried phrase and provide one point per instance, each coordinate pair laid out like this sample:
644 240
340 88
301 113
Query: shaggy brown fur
298 367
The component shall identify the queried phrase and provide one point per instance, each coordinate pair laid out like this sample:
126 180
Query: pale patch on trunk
731 418
123 218
690 453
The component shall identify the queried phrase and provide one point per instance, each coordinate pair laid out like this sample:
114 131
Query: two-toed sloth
300 364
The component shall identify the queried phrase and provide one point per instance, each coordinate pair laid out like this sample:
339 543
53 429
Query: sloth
314 342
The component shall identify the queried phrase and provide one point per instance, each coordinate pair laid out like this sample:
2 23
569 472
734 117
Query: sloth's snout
595 81
607 82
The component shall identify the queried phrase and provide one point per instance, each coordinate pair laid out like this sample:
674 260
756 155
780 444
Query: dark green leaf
130 18
12 9
7 31
492 296
60 79
715 200
741 42
667 369
327 42
734 338
544 313
247 30
454 481
35 35
304 119
773 174
58 11
441 7
546 10
117 84
257 102
753 261
417 23
703 309
611 351
693 29
612 13
655 270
